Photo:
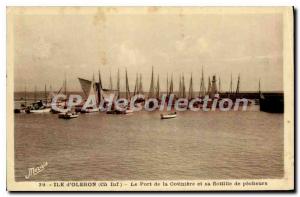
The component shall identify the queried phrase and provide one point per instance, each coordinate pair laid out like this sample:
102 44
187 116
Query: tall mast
151 90
99 87
230 89
34 94
183 87
140 85
127 85
219 85
171 85
25 95
92 88
65 85
157 87
136 85
202 85
238 85
191 88
45 93
118 83
110 81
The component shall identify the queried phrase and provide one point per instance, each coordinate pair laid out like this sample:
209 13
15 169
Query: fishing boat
168 116
37 107
62 103
68 115
92 92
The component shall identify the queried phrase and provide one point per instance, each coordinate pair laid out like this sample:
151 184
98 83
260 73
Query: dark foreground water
195 145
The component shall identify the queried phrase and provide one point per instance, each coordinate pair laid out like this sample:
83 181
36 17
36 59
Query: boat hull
38 111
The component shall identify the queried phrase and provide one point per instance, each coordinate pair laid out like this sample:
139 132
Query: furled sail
151 90
157 89
183 87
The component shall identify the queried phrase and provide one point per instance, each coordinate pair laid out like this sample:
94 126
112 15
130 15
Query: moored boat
89 110
128 111
45 110
68 115
168 116
37 107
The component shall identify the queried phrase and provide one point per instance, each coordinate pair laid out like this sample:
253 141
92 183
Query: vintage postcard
150 98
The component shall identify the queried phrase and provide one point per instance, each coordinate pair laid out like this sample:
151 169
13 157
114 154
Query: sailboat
135 91
128 110
209 86
118 84
230 88
110 81
202 86
256 101
60 103
127 92
191 93
237 87
151 89
167 85
37 106
140 89
92 93
182 92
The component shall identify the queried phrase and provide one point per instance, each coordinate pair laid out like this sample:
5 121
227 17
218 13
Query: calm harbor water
195 145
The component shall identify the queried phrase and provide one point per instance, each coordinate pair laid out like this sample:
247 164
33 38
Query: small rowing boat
45 110
168 116
68 115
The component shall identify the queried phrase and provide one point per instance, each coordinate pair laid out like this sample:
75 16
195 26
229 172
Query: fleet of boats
90 87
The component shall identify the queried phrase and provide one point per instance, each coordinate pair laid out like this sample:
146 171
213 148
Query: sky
49 46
